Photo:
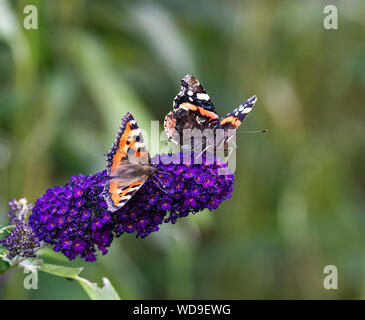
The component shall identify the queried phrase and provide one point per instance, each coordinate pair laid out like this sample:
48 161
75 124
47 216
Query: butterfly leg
157 184
233 145
233 142
165 172
206 149
230 152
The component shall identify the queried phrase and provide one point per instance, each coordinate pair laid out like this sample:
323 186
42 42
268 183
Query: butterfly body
179 120
128 165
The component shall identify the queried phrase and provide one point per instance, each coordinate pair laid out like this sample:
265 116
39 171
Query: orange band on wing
207 113
235 122
126 143
122 152
189 106
117 159
118 194
202 111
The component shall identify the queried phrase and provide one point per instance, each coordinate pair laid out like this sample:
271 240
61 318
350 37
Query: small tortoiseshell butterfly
128 164
193 109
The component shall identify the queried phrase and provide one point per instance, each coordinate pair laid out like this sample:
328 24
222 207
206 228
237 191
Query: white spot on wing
135 132
139 145
183 107
247 110
203 96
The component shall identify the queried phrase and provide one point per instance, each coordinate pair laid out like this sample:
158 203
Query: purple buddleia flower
19 211
75 218
21 241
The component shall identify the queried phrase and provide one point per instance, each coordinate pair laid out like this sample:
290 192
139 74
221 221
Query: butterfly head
191 85
152 170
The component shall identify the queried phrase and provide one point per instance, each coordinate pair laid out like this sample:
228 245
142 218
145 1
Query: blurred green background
298 203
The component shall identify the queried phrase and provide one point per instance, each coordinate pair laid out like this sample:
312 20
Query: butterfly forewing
127 164
233 119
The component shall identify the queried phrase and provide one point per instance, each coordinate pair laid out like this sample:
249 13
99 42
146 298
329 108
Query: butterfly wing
117 192
192 97
192 109
233 120
127 164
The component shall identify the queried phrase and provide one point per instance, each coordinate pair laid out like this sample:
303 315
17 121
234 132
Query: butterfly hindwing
127 164
117 192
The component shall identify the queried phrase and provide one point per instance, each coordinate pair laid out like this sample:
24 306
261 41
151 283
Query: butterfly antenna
165 172
255 131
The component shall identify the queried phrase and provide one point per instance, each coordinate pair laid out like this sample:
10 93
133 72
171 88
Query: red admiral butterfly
193 109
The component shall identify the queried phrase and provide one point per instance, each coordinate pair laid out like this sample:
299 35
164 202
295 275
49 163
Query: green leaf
5 230
4 266
47 252
106 292
3 251
61 271
4 263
